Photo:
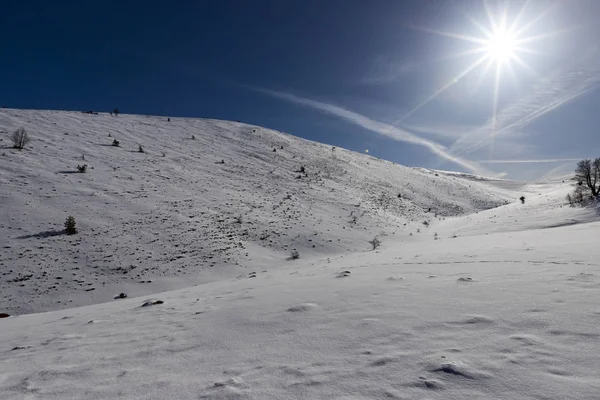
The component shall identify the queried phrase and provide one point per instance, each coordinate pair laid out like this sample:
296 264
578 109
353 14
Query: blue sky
381 75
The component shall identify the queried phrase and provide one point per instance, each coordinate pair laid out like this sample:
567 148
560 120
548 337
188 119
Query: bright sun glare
501 47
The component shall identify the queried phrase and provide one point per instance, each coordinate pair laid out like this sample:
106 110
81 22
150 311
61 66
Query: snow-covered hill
490 299
170 216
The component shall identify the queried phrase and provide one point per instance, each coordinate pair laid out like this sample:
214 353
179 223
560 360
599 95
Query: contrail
377 127
548 160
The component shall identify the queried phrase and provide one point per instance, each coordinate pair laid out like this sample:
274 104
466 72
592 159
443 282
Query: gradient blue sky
369 74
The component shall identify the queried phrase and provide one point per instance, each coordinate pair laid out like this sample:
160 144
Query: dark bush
20 138
294 255
375 242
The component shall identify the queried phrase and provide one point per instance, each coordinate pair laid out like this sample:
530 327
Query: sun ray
487 67
443 88
490 16
517 19
486 32
533 21
472 39
523 64
511 70
465 53
496 95
544 35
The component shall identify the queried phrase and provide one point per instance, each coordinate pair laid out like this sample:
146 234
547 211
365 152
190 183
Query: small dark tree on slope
70 225
375 242
116 111
522 198
116 143
20 138
294 255
588 172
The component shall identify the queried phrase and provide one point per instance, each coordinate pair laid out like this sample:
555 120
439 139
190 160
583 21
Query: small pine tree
116 111
140 149
82 168
70 225
522 198
116 143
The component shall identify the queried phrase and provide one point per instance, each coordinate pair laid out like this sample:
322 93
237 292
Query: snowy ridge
150 223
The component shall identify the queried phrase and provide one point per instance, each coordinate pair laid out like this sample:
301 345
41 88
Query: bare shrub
20 138
375 242
588 172
294 255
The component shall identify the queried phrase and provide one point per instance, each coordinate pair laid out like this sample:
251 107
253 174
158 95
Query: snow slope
497 305
150 222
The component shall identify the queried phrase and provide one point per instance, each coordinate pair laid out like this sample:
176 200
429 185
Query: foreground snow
502 316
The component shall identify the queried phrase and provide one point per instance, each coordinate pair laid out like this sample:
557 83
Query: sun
501 47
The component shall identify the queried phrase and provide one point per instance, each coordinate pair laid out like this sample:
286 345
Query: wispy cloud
541 161
561 87
378 127
441 131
